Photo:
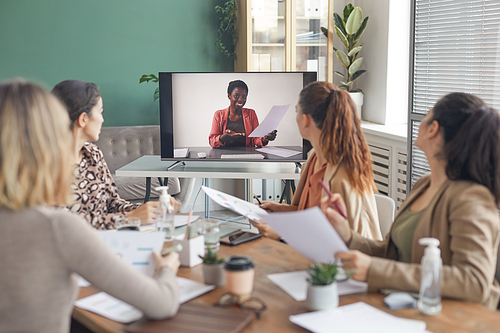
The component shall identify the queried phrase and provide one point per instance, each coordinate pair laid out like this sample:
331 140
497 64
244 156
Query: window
455 48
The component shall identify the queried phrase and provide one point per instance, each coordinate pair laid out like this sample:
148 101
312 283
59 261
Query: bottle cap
432 246
164 197
238 263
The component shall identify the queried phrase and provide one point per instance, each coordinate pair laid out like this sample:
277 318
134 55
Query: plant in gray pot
322 290
213 268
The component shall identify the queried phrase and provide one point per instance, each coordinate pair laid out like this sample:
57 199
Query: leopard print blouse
96 197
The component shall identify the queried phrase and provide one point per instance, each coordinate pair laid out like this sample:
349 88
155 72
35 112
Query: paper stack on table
356 318
295 284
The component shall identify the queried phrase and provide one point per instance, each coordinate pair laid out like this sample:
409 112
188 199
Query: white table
151 166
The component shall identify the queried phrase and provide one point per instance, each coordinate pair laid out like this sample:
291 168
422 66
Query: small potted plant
322 290
213 268
349 27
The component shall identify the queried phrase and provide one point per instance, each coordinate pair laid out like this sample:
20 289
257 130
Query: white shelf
392 132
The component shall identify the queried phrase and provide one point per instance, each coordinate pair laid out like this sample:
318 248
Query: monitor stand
175 164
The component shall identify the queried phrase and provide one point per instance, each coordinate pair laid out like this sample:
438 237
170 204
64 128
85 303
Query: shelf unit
278 35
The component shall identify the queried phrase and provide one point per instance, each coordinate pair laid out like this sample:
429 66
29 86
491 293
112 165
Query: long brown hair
341 139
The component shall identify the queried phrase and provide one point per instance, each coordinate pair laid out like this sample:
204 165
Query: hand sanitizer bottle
165 215
429 301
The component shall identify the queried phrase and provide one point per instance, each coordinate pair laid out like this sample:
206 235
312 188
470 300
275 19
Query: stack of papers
346 319
295 285
114 309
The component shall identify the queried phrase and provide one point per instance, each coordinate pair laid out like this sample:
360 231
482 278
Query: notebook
197 318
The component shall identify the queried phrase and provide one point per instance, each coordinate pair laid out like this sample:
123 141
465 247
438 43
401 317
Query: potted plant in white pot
349 27
322 290
213 268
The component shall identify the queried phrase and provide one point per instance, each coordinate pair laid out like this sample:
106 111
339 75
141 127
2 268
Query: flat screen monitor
189 101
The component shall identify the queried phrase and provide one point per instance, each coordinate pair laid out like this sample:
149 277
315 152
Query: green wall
111 43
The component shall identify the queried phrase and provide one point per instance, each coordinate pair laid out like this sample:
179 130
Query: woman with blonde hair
41 247
457 203
326 116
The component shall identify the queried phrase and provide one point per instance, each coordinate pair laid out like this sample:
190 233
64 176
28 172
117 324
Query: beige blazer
464 217
361 209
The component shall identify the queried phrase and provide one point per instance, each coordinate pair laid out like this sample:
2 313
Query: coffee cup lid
238 263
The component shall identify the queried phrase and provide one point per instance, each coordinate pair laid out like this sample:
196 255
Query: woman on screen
96 195
232 125
457 203
41 247
326 116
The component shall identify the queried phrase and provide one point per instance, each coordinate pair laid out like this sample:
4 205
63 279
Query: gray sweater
42 248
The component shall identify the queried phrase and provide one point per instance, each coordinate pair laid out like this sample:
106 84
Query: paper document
309 232
346 319
179 221
181 152
110 307
135 248
295 284
82 282
114 309
191 289
271 122
242 207
281 152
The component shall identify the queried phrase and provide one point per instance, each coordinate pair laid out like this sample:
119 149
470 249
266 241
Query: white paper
135 248
82 282
271 122
353 318
191 289
110 307
181 152
242 207
281 152
295 285
114 309
309 232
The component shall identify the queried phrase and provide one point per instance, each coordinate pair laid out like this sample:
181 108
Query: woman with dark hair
42 248
457 203
326 116
232 125
96 195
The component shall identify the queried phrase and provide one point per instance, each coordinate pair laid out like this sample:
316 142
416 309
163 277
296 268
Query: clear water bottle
165 215
429 301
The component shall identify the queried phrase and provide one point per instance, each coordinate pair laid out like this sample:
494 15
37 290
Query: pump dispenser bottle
429 301
165 214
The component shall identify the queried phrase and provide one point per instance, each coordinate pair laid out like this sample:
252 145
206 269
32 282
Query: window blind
455 48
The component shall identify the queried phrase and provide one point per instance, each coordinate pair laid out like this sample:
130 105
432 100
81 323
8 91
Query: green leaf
341 56
354 51
339 74
357 74
355 65
354 21
342 37
324 31
347 84
347 11
334 49
361 29
339 23
156 94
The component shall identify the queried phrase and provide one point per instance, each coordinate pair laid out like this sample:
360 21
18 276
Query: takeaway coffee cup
239 272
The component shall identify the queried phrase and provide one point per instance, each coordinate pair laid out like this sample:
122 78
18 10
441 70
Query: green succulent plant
322 274
349 29
211 258
152 78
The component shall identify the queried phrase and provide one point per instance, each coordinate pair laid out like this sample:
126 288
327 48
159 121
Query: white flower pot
358 99
322 297
214 274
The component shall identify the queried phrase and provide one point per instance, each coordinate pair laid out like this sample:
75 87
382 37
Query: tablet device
239 237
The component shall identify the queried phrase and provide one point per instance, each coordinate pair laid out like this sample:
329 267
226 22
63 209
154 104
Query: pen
256 197
190 215
175 248
330 194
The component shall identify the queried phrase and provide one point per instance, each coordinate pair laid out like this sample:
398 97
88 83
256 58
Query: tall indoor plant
349 28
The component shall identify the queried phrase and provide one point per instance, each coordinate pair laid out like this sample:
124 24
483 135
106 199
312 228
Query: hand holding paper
271 122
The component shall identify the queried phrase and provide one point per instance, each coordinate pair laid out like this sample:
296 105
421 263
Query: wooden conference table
274 257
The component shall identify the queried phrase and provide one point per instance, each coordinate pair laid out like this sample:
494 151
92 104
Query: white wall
385 57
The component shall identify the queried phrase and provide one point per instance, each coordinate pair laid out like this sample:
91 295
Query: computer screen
189 102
